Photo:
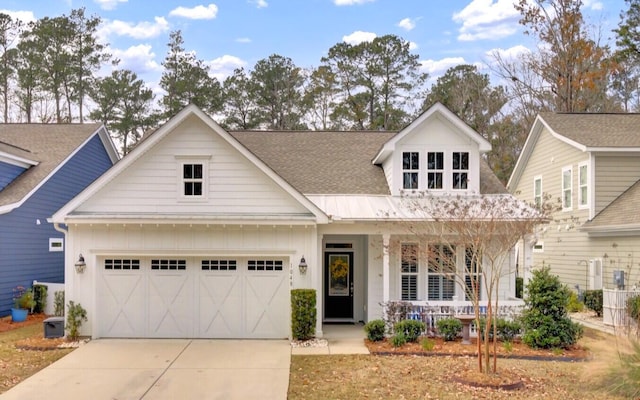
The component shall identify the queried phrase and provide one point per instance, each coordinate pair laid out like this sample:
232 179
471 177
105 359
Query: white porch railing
614 306
430 312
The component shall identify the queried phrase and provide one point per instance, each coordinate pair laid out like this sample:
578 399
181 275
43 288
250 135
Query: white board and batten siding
233 184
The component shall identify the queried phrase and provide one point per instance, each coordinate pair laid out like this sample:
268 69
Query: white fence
614 304
430 312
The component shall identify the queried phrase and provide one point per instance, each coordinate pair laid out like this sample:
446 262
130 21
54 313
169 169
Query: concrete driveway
125 369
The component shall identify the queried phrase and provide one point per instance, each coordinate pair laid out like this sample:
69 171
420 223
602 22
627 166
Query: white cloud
413 45
243 40
486 19
139 59
197 12
24 16
222 67
407 24
350 2
109 4
511 53
358 37
593 4
438 67
141 30
259 3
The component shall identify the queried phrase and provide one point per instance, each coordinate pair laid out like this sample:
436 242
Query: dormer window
410 169
460 169
435 170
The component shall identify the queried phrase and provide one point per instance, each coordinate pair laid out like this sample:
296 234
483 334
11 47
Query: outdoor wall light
80 264
303 266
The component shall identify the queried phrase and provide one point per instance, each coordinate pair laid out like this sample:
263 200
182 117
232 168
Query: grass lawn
413 377
17 365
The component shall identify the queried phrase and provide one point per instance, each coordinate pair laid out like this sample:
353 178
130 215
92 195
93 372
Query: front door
338 288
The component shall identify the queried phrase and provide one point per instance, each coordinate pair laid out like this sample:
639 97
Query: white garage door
193 297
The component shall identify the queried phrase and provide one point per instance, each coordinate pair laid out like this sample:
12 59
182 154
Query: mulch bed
38 342
517 350
6 324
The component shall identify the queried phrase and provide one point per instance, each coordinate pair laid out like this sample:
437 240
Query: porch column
385 267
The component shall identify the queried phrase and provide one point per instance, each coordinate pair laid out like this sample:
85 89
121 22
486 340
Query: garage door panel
170 305
122 302
267 305
220 305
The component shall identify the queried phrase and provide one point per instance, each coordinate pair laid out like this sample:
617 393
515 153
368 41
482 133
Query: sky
228 34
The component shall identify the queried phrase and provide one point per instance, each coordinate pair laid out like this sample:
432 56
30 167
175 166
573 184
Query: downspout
60 229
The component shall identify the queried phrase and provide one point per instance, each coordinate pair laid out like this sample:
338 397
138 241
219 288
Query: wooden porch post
385 267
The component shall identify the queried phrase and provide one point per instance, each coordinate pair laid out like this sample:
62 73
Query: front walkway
340 338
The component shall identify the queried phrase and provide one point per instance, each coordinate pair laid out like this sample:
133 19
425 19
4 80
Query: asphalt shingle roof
596 130
47 144
622 211
333 162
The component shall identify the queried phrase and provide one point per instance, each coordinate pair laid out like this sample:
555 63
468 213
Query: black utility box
53 327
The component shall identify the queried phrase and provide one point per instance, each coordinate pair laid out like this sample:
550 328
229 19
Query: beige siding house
200 232
588 165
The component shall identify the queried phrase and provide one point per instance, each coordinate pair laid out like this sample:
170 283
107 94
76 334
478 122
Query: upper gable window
410 169
192 177
567 192
435 170
460 169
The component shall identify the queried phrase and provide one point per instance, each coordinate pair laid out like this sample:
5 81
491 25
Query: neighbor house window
538 247
583 186
410 169
435 170
460 167
56 244
409 271
566 188
441 272
537 191
193 179
472 274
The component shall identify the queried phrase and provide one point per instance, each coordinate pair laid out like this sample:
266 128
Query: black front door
338 287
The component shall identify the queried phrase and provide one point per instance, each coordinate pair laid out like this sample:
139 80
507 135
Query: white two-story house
200 232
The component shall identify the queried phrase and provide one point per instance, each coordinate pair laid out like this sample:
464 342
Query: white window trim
182 160
570 189
587 184
53 244
416 274
465 171
421 163
535 179
538 247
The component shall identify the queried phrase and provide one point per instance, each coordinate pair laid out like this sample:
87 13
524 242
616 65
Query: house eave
191 219
612 230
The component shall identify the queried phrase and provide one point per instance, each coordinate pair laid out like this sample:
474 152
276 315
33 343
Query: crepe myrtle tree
482 230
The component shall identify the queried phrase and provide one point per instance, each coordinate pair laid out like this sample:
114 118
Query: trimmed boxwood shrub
449 328
593 301
507 329
412 329
303 313
398 340
375 330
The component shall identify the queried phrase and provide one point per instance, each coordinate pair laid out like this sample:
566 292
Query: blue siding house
42 167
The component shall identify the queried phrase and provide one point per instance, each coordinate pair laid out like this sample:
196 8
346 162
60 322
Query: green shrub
574 304
58 303
40 297
508 329
412 329
398 340
375 330
449 328
545 321
519 286
303 313
593 301
633 307
76 315
428 344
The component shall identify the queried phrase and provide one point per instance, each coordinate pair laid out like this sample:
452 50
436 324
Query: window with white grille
441 272
265 265
168 265
409 271
121 264
219 265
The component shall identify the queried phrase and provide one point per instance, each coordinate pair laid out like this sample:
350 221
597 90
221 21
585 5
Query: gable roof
154 137
594 132
334 162
46 147
619 216
437 110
